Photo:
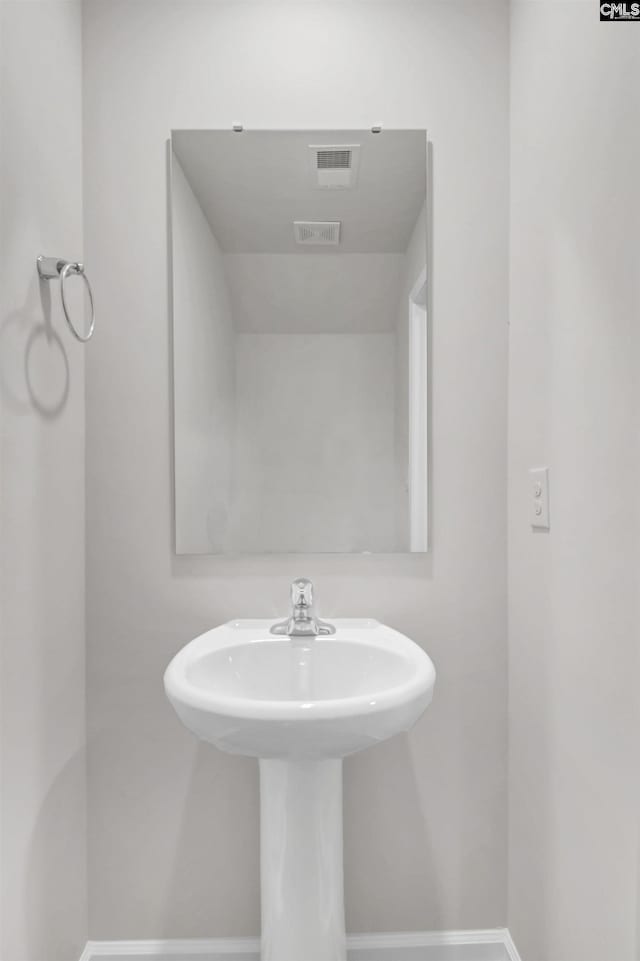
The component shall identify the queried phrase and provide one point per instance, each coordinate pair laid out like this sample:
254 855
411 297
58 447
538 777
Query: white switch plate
539 498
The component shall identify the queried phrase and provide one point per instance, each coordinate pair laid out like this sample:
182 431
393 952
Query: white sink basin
300 704
249 692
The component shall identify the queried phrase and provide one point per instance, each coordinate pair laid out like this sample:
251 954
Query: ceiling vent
314 232
334 166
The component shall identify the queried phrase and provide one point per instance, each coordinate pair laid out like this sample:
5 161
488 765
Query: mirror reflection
299 341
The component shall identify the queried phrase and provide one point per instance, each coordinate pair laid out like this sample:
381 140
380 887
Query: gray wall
173 824
573 400
42 716
204 379
320 490
311 293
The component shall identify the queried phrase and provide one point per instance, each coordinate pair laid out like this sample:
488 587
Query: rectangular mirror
299 341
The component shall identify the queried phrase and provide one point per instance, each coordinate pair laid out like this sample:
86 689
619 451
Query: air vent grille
333 159
317 232
334 166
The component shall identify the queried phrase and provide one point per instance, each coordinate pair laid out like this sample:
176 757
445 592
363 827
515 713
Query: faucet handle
302 593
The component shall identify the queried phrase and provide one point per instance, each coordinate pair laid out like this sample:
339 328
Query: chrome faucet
302 621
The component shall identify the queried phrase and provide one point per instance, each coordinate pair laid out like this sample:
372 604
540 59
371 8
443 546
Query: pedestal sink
300 704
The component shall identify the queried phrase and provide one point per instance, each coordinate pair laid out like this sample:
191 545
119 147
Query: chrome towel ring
51 267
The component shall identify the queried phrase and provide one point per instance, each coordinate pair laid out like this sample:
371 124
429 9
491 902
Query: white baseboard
494 945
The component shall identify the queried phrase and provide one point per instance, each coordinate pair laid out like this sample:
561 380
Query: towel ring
50 267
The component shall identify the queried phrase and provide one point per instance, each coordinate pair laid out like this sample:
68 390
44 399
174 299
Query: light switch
539 497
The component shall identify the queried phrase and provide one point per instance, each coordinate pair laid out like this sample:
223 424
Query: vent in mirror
317 232
334 166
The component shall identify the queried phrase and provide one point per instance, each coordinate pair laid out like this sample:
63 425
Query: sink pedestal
301 860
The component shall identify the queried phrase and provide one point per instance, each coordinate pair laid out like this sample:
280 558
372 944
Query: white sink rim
236 633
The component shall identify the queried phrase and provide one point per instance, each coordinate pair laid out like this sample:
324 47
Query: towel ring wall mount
51 267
